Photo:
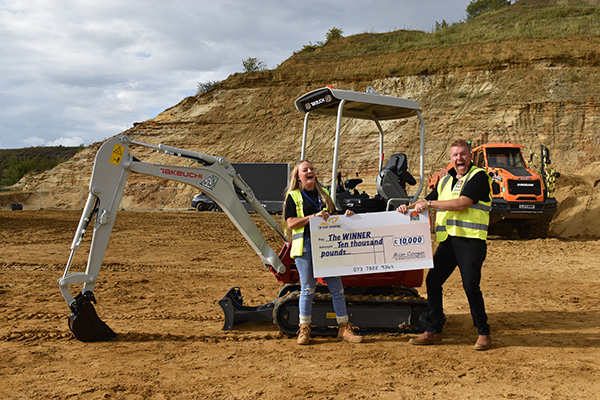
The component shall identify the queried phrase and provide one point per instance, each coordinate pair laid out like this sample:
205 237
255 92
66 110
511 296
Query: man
462 200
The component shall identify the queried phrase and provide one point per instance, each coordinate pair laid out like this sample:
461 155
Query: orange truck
522 193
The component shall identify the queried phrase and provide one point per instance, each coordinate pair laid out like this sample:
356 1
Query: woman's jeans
308 284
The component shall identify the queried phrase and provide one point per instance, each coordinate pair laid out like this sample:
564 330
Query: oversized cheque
369 243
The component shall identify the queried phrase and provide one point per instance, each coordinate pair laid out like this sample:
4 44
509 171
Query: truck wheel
536 230
200 207
540 229
524 231
504 231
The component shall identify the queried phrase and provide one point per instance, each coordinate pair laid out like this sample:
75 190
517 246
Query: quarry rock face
262 124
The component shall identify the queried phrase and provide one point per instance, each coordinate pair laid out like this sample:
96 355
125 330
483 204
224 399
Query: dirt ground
165 272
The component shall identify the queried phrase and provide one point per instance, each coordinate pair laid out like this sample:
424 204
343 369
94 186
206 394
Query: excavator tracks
400 310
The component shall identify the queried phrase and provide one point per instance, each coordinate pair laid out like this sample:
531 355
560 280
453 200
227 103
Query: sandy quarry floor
165 272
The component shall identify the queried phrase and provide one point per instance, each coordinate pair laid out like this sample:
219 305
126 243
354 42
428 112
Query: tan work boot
426 338
484 342
346 332
304 334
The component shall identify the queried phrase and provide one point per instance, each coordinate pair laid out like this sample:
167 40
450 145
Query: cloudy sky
79 71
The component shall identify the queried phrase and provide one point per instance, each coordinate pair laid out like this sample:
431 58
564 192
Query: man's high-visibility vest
470 223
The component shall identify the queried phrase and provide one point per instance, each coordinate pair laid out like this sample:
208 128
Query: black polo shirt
477 188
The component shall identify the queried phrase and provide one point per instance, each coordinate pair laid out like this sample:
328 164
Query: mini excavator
379 302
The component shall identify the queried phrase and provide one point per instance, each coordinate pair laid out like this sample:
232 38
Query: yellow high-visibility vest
298 233
470 223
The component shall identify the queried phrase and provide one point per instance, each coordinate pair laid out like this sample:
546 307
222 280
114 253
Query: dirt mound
164 272
579 204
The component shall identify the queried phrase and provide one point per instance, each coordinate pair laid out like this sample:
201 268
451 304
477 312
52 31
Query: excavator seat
351 184
393 178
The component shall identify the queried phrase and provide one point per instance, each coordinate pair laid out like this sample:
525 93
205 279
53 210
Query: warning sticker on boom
209 182
117 154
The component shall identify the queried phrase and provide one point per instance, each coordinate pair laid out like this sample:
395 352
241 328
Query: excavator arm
215 177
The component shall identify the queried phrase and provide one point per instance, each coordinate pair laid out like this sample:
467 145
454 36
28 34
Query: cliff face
531 92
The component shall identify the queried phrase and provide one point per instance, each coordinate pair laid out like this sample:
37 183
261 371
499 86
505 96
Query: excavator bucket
85 323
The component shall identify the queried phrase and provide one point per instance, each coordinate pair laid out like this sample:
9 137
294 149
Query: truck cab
521 196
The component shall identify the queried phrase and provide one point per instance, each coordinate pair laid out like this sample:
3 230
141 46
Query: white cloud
33 141
82 71
65 141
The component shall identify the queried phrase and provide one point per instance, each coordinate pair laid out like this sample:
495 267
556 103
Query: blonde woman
306 198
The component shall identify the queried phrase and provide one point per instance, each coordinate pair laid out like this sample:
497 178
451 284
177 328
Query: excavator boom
215 177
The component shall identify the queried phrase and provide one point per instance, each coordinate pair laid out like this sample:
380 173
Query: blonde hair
461 143
296 184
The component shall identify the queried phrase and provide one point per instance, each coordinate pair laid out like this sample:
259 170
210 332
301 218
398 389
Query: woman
306 198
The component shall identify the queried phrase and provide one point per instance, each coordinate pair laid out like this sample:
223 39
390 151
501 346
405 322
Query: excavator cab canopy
366 105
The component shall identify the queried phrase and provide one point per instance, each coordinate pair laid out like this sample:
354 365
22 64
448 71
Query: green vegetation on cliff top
523 20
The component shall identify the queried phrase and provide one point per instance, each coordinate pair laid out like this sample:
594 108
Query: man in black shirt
462 200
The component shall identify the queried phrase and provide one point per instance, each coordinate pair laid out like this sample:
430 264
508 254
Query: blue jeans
308 283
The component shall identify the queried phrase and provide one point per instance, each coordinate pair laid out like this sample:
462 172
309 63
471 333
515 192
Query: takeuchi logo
176 172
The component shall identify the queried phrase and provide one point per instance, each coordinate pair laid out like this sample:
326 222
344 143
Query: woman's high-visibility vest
470 223
298 233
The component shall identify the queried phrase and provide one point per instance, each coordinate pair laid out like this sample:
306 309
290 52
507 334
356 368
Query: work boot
346 332
426 338
484 342
304 334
